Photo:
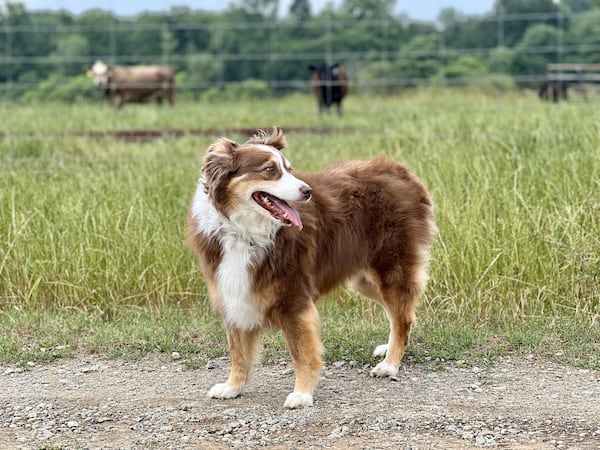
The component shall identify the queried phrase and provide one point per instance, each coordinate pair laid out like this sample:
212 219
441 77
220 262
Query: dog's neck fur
245 238
244 225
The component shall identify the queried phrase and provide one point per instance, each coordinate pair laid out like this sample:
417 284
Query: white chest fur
243 242
233 277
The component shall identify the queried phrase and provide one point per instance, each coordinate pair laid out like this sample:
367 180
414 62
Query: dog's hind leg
304 343
243 346
382 349
399 307
400 298
364 284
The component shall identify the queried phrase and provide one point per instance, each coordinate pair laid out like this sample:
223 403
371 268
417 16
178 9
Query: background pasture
92 251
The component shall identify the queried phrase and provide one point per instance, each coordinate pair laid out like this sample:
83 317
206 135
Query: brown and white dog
271 240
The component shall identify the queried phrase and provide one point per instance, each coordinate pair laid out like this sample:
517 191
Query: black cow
329 84
553 90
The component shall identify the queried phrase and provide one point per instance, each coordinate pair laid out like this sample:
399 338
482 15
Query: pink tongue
292 215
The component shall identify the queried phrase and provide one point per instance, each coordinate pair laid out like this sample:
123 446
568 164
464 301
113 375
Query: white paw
298 400
223 390
384 370
380 350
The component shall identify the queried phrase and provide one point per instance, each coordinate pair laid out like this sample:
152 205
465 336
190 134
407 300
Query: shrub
249 89
57 88
464 67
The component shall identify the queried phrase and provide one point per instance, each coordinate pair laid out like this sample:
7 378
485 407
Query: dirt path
94 403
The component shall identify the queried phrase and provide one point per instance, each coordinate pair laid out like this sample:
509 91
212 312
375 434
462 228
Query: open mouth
278 208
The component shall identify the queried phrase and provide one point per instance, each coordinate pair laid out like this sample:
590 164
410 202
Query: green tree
535 50
464 67
584 38
190 30
249 40
379 76
168 45
500 60
466 32
368 9
300 11
420 57
577 5
70 50
249 37
15 43
143 38
202 71
99 28
263 8
521 14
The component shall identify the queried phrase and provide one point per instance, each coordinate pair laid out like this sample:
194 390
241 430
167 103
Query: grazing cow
330 85
133 84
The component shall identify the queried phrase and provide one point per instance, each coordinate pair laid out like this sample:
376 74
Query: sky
416 9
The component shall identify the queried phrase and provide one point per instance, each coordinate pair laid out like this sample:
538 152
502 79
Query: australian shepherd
271 240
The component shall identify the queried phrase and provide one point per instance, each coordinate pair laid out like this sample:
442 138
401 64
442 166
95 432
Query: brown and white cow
329 84
133 84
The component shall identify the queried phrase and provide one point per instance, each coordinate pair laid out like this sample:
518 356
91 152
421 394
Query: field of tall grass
93 256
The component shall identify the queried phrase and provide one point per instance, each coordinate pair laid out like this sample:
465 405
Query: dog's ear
219 162
274 138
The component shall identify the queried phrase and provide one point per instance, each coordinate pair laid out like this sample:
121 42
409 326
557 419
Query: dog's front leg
304 342
243 346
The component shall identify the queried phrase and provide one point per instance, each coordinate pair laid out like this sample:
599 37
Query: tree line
251 47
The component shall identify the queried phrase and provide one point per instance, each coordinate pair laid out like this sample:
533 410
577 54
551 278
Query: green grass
93 258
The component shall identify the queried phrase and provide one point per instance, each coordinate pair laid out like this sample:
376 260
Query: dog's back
364 215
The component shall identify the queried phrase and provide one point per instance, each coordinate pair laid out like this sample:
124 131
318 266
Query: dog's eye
269 169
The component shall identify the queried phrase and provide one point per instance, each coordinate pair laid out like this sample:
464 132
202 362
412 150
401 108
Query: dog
271 240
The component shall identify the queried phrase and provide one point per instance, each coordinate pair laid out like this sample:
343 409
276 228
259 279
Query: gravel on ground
91 402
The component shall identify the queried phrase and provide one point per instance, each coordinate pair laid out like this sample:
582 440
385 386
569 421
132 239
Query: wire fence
389 56
113 39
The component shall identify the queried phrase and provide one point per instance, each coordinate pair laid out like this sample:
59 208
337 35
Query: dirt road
95 403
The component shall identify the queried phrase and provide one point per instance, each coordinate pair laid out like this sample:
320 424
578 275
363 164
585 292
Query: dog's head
253 179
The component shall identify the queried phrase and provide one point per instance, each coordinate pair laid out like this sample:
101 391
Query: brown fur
369 223
138 84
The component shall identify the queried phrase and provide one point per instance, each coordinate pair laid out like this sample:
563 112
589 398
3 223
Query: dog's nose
306 191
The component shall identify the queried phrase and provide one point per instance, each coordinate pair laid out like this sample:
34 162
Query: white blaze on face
288 187
99 72
268 198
